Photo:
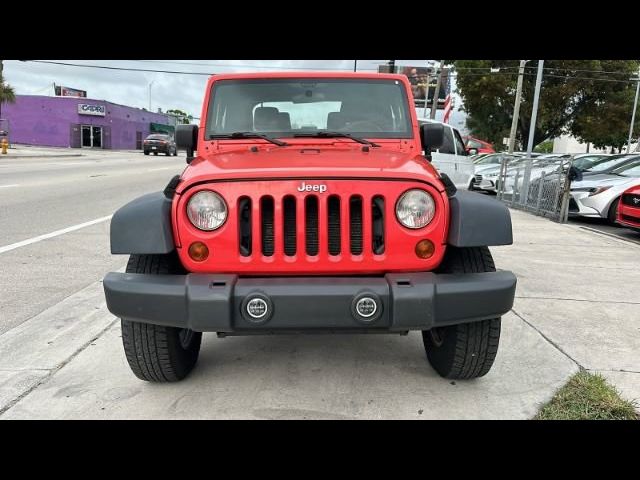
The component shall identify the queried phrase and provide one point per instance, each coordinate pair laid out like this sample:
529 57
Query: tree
570 90
7 95
606 123
183 116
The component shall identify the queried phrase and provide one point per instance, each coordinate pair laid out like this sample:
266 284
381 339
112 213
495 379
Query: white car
599 195
452 158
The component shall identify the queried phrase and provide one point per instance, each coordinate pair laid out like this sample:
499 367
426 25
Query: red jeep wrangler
311 206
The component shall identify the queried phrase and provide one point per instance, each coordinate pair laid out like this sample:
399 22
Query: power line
116 68
454 73
130 69
237 65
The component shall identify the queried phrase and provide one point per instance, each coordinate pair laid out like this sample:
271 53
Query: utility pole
1 85
633 115
426 94
534 111
355 65
516 107
532 129
392 66
436 94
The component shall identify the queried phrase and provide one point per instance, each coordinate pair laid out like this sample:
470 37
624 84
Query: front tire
466 350
157 353
612 215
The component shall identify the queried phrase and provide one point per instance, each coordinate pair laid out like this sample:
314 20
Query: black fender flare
478 220
143 226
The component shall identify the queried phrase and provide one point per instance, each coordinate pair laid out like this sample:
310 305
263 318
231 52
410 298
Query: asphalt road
42 196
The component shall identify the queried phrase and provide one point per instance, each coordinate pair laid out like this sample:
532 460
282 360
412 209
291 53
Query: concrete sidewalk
28 151
576 307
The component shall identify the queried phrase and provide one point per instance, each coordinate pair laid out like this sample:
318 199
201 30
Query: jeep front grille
342 218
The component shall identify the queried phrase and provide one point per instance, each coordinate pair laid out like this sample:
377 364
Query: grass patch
587 396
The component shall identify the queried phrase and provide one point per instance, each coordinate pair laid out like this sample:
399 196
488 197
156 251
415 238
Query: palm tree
6 94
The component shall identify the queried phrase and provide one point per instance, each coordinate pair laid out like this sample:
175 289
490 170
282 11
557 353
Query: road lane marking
7 186
57 233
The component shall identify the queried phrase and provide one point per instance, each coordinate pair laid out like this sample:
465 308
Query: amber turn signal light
198 252
425 249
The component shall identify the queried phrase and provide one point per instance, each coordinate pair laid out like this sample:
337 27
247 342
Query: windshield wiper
275 141
324 134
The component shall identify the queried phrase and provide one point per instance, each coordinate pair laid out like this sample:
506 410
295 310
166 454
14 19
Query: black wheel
612 215
156 353
466 350
146 153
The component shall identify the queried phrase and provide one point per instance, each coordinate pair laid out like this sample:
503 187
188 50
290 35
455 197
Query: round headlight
207 210
415 209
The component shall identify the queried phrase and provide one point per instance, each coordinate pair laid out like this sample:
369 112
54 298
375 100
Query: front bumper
629 216
219 303
582 205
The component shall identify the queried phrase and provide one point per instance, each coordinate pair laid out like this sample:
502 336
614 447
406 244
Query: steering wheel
365 125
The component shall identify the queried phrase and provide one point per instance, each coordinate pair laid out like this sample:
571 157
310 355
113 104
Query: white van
451 158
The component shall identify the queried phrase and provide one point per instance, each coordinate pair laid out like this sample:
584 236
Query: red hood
308 161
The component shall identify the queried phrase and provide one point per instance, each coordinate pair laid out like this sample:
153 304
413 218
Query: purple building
81 123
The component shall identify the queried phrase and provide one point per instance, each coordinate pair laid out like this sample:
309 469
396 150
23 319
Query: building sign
70 92
423 82
86 109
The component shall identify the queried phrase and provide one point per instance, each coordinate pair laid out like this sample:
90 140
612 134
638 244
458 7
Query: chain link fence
540 187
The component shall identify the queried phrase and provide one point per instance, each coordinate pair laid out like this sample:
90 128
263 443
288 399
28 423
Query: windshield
158 137
289 107
491 159
631 169
607 163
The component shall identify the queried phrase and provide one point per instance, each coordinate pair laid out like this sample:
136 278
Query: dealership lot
62 354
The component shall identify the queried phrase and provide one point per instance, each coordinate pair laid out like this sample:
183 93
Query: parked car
157 143
451 157
629 208
488 169
475 145
599 195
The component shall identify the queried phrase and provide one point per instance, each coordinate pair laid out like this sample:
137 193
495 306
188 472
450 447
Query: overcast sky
169 90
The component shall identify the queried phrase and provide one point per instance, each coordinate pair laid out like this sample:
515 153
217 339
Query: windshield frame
407 134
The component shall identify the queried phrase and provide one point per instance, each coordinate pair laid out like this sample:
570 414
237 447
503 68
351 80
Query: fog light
198 252
257 308
366 307
425 249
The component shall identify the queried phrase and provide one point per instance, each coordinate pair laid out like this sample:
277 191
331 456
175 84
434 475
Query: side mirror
431 137
472 151
187 139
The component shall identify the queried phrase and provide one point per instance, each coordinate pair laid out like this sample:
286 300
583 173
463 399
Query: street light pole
436 94
355 65
633 115
516 107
